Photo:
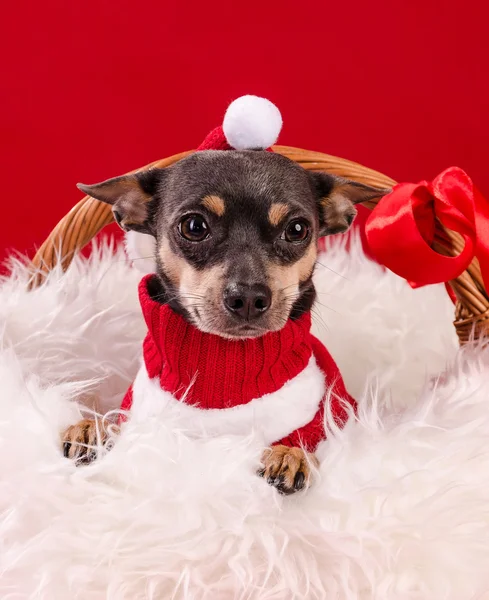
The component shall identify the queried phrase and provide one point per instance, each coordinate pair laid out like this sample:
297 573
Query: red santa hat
250 123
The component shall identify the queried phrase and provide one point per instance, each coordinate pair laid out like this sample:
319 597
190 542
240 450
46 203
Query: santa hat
250 123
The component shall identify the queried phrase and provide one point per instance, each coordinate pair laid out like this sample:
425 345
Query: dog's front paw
287 469
80 441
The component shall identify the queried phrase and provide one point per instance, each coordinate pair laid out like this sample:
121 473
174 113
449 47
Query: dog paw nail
299 480
284 490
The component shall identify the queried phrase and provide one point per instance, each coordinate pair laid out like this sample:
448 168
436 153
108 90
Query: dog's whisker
332 270
287 287
317 318
152 257
168 299
124 260
326 294
329 308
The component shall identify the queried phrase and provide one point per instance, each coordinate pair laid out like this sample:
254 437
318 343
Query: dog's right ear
133 198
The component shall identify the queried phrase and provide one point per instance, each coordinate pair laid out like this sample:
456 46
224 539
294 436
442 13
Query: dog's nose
247 301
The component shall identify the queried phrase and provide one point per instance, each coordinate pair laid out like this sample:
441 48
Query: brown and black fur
251 203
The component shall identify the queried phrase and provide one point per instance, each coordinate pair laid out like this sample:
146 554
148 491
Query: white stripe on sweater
274 415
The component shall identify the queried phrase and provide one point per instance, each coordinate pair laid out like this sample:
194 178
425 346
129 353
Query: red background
93 88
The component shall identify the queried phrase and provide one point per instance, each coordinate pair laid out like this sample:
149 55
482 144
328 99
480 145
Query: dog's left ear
336 198
133 198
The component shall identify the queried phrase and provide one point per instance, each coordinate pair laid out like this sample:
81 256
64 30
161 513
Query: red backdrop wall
93 88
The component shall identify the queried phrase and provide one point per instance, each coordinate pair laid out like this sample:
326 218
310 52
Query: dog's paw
80 441
287 469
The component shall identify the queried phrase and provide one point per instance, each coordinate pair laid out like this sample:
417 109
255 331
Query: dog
236 236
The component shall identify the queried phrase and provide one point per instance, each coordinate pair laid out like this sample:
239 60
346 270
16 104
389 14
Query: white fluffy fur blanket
400 508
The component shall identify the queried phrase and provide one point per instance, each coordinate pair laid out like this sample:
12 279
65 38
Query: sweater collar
215 372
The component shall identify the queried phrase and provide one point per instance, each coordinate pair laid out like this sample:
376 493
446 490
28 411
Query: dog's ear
133 198
336 197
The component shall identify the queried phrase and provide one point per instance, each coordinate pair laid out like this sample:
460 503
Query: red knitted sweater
210 372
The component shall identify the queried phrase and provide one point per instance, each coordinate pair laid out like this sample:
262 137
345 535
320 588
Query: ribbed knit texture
215 140
212 372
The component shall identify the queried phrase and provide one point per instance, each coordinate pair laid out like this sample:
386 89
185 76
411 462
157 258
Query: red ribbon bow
401 228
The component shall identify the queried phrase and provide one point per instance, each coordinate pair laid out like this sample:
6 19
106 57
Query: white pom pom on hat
252 123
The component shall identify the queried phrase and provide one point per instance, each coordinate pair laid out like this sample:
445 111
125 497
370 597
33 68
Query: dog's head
236 234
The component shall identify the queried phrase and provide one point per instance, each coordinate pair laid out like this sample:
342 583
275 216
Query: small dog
236 245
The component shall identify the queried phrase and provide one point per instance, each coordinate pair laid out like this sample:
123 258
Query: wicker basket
89 216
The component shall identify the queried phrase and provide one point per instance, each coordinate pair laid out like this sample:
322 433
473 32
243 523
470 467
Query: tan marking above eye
278 211
215 204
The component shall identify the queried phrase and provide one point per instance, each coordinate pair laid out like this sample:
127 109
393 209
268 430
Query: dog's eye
193 228
296 231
